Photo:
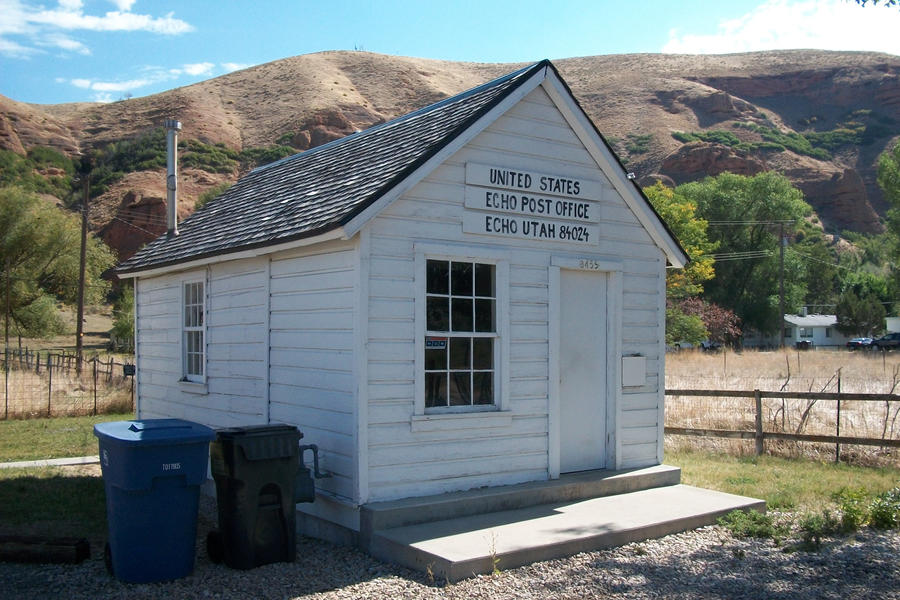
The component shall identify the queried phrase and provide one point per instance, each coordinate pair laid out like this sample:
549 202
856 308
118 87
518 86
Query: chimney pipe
172 129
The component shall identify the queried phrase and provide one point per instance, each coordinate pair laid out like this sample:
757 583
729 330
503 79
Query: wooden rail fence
759 435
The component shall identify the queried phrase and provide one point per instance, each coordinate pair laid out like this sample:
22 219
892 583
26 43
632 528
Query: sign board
533 182
530 205
529 228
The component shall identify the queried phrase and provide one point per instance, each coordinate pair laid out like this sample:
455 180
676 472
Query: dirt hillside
637 101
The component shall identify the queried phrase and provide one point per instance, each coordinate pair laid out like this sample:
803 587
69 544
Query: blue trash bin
152 471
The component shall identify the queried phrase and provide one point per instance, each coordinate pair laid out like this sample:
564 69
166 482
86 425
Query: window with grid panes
461 333
193 328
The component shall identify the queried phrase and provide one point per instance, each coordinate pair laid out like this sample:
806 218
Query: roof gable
341 185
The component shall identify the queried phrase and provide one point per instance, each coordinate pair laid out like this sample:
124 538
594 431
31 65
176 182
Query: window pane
435 389
437 277
460 355
484 280
438 314
461 279
462 314
435 356
483 354
483 392
484 315
461 389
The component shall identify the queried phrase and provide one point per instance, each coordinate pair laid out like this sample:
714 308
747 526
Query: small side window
194 332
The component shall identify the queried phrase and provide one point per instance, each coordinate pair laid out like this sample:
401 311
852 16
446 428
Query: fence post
95 384
837 445
759 427
49 383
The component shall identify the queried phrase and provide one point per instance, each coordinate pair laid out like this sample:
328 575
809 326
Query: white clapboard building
470 295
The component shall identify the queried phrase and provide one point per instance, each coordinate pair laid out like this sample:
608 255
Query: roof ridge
409 116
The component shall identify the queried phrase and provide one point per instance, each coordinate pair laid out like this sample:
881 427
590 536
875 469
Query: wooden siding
236 305
404 461
312 377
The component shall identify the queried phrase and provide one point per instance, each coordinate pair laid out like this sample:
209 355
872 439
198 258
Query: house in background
469 296
803 330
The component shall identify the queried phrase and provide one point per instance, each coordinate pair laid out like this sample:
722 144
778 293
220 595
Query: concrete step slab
464 546
569 487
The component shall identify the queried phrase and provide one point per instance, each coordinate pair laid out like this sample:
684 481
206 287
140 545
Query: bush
24 171
884 512
753 524
853 504
211 193
638 144
815 527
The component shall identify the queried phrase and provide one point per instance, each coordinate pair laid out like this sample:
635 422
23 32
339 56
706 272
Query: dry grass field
789 370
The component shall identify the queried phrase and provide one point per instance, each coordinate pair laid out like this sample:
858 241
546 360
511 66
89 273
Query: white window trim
194 383
459 415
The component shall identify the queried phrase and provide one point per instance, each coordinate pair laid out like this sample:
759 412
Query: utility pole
85 169
781 243
6 346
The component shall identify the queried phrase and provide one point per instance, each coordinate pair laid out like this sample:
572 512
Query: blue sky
104 50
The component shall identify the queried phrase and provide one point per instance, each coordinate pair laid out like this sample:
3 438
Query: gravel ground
706 563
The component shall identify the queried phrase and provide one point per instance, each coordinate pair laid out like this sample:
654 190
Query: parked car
860 343
710 346
803 344
888 341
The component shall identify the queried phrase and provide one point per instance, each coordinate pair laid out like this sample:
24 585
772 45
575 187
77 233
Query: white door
582 370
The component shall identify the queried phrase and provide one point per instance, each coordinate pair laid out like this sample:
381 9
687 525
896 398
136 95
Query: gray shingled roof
323 188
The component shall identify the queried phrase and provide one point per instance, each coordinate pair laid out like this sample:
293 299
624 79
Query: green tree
681 327
746 216
680 214
889 174
123 320
39 254
859 316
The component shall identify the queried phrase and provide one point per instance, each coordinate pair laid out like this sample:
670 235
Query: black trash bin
259 479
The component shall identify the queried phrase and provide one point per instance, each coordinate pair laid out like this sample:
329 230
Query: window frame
201 328
499 259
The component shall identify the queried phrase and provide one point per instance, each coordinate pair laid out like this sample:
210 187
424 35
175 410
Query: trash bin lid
151 432
265 430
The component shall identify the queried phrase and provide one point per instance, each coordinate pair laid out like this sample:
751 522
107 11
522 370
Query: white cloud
65 43
791 24
197 69
39 26
231 66
111 21
121 86
84 84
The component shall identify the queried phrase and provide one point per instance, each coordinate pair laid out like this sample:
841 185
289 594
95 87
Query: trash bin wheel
107 559
214 546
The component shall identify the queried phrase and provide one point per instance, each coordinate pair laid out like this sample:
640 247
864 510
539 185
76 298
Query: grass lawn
70 500
785 484
35 439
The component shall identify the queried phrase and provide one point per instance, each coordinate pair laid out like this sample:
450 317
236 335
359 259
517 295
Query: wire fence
47 384
857 424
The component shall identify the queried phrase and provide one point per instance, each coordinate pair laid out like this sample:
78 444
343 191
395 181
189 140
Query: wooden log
40 549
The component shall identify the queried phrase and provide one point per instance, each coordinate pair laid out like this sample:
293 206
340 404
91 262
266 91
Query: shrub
884 512
211 193
853 504
815 527
638 144
753 524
